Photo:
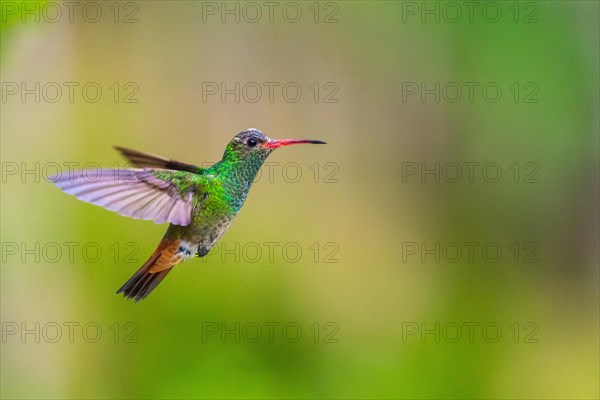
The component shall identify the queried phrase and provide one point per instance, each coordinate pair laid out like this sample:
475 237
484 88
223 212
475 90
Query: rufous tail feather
164 258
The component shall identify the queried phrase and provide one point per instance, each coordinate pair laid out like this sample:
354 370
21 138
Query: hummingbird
199 203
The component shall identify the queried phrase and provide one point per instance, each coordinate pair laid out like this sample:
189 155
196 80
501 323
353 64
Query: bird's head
252 144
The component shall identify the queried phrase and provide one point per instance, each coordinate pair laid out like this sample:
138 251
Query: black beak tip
318 142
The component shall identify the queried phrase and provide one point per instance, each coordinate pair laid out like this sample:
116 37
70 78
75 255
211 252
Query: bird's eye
252 142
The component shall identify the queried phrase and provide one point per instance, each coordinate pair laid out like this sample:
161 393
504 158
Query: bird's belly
213 231
206 235
213 216
206 229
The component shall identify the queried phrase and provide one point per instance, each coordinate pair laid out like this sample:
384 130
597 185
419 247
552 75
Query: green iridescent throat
237 171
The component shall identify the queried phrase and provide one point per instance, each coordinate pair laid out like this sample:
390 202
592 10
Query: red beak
273 144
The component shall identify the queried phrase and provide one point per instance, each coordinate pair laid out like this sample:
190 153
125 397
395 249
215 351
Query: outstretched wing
158 195
146 160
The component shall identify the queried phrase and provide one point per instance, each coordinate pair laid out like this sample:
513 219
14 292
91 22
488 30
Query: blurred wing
135 193
146 160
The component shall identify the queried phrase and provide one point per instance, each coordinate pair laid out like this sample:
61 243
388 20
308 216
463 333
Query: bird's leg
202 250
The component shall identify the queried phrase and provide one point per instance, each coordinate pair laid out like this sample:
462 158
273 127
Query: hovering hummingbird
200 204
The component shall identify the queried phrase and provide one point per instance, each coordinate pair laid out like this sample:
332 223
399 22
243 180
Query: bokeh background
364 291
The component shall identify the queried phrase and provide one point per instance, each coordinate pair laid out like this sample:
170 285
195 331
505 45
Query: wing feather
147 160
135 193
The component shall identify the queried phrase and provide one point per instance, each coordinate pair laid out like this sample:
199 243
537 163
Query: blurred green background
369 296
